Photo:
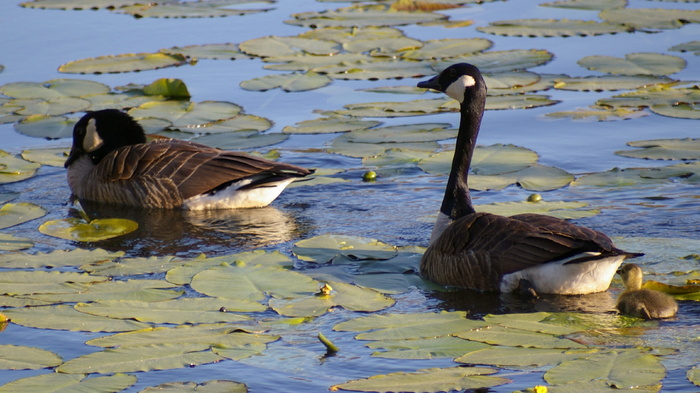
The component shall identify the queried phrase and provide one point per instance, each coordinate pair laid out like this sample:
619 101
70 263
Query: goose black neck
457 201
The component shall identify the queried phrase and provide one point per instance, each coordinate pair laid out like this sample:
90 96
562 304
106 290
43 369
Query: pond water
397 209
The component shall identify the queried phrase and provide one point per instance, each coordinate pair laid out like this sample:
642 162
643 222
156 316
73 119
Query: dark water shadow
189 233
479 304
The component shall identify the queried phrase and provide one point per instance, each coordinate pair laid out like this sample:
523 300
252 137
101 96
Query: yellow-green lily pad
57 258
187 114
128 62
328 248
45 126
445 48
12 214
664 149
13 243
611 82
287 46
189 9
563 210
347 296
330 125
552 28
77 229
288 82
634 64
16 357
599 113
204 387
70 382
63 317
587 4
361 16
651 18
55 156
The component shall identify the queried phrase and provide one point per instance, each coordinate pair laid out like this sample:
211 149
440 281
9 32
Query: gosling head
632 276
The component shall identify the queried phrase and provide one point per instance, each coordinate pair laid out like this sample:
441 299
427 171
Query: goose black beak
431 83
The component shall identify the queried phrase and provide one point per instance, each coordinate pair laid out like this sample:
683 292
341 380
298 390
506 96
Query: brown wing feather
193 168
475 251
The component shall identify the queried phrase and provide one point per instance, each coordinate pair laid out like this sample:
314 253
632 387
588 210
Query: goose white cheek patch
92 140
456 89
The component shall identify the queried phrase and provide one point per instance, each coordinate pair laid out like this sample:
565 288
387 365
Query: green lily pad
385 46
208 51
409 133
13 243
252 283
329 248
409 326
78 229
167 87
519 101
487 160
520 357
426 348
128 62
498 335
620 369
343 35
77 4
563 210
125 290
178 311
690 46
64 317
213 386
43 126
56 258
193 9
142 358
55 156
293 82
132 266
664 149
650 18
238 123
534 178
306 62
288 46
616 177
187 114
552 28
447 48
241 140
376 68
392 109
427 380
634 64
660 95
183 274
14 169
599 113
50 107
70 382
362 16
54 89
349 297
330 125
12 214
16 357
683 111
694 375
611 82
342 145
587 4
396 157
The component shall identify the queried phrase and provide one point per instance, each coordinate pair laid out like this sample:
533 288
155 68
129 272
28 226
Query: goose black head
459 81
98 133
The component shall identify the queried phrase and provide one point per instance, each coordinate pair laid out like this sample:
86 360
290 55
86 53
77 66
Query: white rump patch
440 225
233 197
456 89
567 279
92 140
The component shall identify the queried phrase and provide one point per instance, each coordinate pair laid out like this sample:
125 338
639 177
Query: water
396 209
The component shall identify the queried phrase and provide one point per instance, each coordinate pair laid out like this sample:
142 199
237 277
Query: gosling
643 303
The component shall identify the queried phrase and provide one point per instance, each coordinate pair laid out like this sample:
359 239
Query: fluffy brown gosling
643 303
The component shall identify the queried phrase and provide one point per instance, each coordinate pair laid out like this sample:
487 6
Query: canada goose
487 252
643 303
111 162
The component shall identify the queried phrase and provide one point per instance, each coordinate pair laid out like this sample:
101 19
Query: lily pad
634 64
293 82
189 9
305 62
178 311
599 113
552 28
208 51
56 258
375 69
611 82
13 243
426 348
664 149
252 283
140 290
142 358
64 317
683 111
128 62
587 4
349 297
487 160
361 16
409 133
563 210
499 335
167 87
288 46
77 229
650 18
16 357
240 140
616 177
70 382
55 156
447 48
653 97
330 248
54 89
77 4
132 266
409 326
520 357
427 380
621 369
214 386
187 114
691 46
534 178
43 126
49 107
14 169
12 214
330 125
385 46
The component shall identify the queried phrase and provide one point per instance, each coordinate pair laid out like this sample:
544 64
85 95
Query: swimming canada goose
111 162
643 303
487 252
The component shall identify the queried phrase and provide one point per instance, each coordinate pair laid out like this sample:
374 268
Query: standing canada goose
643 303
111 162
487 252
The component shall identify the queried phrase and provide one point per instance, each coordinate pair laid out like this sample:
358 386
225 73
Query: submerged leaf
78 229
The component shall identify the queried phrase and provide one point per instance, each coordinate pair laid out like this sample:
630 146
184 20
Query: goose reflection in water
189 233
